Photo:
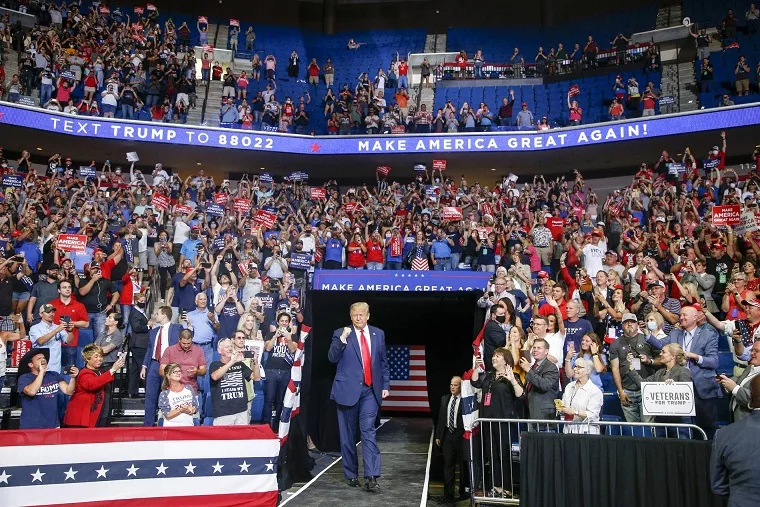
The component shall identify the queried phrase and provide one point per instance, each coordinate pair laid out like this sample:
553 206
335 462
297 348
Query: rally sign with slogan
299 260
748 223
203 20
241 205
318 193
234 22
182 209
20 348
452 213
265 218
87 171
383 169
13 180
350 207
72 242
161 201
221 198
710 163
668 399
439 165
266 178
726 215
215 210
139 10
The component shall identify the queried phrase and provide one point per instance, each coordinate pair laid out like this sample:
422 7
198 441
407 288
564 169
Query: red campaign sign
20 348
203 19
452 213
398 129
221 197
183 209
439 165
350 207
105 10
265 218
150 7
139 10
208 48
241 205
318 193
574 90
726 215
383 169
234 22
160 201
483 232
72 242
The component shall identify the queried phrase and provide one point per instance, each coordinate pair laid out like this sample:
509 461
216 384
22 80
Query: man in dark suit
138 343
735 473
160 338
542 382
362 381
700 346
494 335
449 433
739 387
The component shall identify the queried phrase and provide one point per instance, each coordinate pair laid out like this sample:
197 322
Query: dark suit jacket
493 338
740 400
733 463
704 343
138 323
443 418
349 378
542 389
174 330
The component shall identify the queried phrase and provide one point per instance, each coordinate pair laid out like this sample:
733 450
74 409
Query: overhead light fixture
493 169
198 163
39 149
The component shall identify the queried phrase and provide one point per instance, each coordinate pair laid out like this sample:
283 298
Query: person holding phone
282 348
203 323
177 401
228 396
88 407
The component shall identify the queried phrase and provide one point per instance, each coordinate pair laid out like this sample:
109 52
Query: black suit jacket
735 473
493 337
139 325
443 418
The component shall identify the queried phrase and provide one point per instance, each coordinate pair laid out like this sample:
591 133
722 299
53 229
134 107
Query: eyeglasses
175 371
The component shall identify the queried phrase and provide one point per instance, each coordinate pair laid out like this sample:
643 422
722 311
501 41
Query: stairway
678 79
440 43
10 62
213 104
222 34
434 43
430 43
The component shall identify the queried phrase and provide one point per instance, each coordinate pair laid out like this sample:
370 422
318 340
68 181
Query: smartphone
183 313
718 376
65 319
67 370
206 265
525 354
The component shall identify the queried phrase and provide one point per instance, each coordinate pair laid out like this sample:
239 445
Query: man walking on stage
362 381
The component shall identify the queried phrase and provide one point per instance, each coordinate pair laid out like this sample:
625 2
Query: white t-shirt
181 232
556 346
593 256
174 399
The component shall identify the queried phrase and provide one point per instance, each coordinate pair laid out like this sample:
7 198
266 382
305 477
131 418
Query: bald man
449 438
733 462
700 345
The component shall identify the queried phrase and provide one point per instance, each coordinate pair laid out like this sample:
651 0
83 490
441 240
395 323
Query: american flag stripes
469 393
195 466
409 392
291 406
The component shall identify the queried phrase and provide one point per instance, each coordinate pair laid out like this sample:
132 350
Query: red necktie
366 360
157 355
534 367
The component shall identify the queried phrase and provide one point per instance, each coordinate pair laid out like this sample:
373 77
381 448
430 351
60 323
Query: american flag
408 379
291 405
194 466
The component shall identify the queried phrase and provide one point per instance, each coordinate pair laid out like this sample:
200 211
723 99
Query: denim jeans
97 323
478 70
393 265
403 82
375 266
127 112
454 261
441 264
632 412
125 311
274 394
46 92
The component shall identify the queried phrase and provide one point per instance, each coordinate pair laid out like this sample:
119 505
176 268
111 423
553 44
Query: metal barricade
495 449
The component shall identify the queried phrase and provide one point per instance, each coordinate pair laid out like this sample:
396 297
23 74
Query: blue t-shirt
228 320
41 411
334 250
269 303
574 332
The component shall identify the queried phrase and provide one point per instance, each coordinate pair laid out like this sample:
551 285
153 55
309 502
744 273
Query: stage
404 445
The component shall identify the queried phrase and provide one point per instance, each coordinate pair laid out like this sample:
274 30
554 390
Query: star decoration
244 467
4 477
218 468
315 147
161 469
190 468
132 470
270 467
37 476
102 472
71 474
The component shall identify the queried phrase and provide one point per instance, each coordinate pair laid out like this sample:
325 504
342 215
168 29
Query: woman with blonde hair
654 323
177 401
582 400
250 325
85 409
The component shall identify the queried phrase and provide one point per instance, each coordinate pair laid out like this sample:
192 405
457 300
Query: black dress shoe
371 485
354 483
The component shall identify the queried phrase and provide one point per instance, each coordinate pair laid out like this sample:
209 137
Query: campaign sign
675 168
218 243
300 260
234 22
574 90
241 205
452 213
668 399
87 171
203 20
150 7
383 169
72 242
420 168
667 100
318 193
710 163
26 100
215 210
747 224
265 218
266 178
67 74
221 197
139 10
161 201
270 209
400 281
182 209
350 207
20 348
726 215
13 180
104 10
298 176
439 165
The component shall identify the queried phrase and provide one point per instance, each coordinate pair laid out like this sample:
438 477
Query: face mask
651 325
501 319
140 305
732 185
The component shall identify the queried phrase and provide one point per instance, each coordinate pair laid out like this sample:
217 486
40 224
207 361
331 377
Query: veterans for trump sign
664 398
726 215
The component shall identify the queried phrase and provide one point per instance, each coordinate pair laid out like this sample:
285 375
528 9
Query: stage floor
404 445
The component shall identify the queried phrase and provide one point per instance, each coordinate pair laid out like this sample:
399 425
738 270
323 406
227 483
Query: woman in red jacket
356 252
84 408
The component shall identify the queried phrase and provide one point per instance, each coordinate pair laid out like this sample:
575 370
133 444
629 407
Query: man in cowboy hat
39 388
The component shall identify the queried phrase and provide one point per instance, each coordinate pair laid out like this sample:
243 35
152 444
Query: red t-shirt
313 70
355 258
105 268
403 69
75 310
722 156
556 225
374 252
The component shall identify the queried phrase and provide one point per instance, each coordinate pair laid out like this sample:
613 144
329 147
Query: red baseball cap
543 274
97 251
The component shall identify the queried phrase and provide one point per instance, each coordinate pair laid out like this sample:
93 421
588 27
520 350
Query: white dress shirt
455 401
359 339
587 398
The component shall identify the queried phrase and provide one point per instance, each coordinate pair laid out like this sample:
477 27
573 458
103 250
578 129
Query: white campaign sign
661 398
747 224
